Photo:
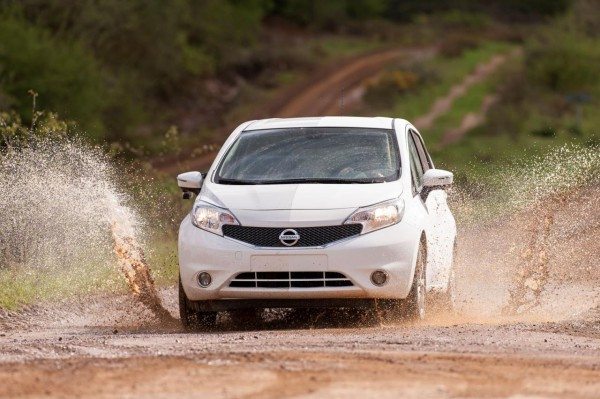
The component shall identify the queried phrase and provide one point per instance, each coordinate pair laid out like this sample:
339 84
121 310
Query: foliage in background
66 74
557 86
113 66
118 67
13 133
547 99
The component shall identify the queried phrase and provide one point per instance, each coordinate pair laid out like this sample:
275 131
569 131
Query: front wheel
443 303
192 319
414 306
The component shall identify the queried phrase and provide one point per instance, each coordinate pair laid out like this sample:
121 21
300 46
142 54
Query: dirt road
464 360
69 357
109 347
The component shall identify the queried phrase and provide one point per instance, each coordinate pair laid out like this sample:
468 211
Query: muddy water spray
60 208
529 243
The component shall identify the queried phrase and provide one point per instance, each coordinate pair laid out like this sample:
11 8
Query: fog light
204 279
379 277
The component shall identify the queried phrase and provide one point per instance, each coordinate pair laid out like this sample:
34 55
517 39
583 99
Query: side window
423 155
416 167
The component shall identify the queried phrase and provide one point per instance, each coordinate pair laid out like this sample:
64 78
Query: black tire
414 306
246 319
445 302
191 319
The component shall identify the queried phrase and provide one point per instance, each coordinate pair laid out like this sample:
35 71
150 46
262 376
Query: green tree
66 76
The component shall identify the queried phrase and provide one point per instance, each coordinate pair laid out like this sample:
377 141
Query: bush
463 20
328 15
585 15
563 61
14 134
545 132
67 77
383 91
455 45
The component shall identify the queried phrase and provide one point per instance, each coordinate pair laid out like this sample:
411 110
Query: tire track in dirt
442 105
471 119
309 374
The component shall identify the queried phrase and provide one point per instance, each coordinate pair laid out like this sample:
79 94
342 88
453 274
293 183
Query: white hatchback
316 212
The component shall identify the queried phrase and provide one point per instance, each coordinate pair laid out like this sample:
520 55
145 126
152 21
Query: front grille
309 236
290 280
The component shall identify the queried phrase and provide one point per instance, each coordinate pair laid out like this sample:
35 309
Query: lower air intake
290 280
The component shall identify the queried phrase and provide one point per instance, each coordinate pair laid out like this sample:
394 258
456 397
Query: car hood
298 196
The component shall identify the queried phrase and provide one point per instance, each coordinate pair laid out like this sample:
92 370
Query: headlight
378 216
212 218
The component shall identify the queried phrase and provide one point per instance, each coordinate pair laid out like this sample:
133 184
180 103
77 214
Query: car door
440 228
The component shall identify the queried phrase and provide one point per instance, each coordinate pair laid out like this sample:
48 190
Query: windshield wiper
314 180
311 180
236 181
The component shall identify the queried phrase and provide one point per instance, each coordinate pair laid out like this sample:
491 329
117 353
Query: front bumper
392 249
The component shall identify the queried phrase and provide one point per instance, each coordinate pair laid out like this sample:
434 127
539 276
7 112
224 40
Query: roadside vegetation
410 90
127 71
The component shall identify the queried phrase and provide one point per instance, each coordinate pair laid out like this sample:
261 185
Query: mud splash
529 241
62 213
533 272
133 265
132 260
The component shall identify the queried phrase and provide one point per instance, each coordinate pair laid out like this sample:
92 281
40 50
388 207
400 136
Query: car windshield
311 155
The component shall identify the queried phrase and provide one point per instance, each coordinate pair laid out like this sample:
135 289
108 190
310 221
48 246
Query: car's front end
317 219
310 254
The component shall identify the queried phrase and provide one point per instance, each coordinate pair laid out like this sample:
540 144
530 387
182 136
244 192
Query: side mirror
190 182
437 178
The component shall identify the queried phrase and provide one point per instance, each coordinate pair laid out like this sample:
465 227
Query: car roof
322 121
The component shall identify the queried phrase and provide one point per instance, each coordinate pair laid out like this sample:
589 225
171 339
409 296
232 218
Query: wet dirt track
358 363
64 356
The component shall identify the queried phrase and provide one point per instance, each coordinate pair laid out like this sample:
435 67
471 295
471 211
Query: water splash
533 272
132 261
528 238
62 211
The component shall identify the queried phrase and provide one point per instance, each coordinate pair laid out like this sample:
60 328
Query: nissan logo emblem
289 237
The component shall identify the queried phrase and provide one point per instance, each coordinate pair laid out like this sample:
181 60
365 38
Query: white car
316 212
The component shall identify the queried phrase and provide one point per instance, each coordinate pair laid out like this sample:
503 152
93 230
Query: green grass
21 286
448 72
163 261
470 102
479 153
343 46
474 151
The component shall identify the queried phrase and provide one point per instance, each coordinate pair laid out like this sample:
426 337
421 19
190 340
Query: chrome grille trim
302 279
